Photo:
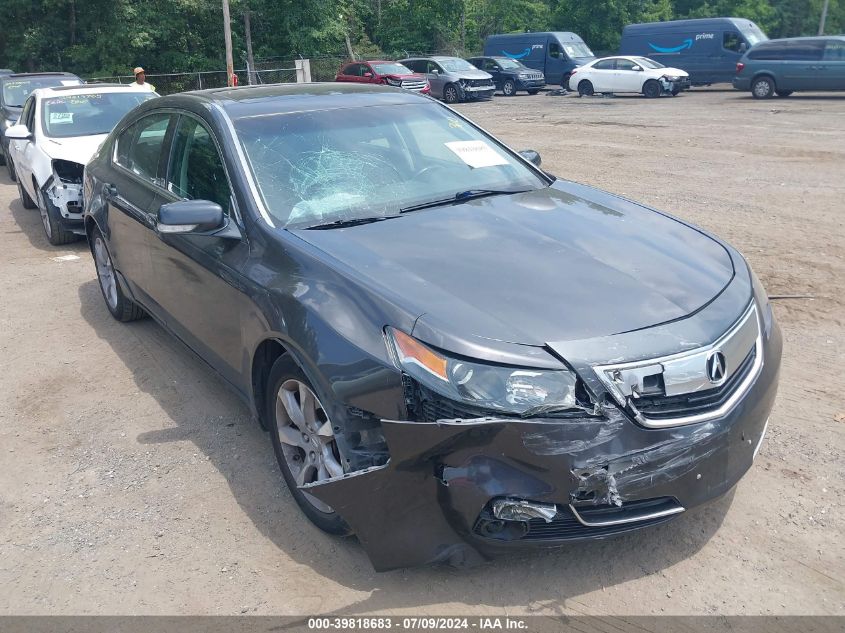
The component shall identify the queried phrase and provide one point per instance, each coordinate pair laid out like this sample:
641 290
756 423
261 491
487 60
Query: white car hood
672 72
78 149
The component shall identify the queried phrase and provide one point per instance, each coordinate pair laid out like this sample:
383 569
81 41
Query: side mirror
368 74
19 132
743 47
531 156
637 68
189 216
434 71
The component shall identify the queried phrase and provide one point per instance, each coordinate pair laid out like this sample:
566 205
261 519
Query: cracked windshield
344 165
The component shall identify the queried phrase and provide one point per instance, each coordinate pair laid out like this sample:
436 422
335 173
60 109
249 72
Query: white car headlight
513 390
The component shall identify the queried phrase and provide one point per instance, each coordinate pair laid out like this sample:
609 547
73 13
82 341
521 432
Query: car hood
471 74
672 71
78 149
406 76
562 263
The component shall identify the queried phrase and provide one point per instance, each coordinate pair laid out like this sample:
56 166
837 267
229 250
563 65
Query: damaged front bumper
463 490
63 191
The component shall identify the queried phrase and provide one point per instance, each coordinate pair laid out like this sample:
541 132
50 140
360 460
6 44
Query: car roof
83 89
286 98
809 38
21 75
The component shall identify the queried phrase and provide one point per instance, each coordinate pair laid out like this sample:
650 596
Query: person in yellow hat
141 80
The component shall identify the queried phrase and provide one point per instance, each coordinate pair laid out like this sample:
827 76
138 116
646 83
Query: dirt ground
133 482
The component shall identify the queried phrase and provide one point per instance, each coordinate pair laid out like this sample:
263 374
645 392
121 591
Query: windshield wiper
338 224
461 196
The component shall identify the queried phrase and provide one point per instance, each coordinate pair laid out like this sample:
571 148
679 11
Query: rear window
17 89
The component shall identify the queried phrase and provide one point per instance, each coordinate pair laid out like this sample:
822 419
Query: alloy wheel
306 437
45 217
508 89
450 94
105 272
763 88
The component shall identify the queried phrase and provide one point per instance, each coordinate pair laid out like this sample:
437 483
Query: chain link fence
169 83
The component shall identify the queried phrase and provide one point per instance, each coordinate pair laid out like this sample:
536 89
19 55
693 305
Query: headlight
762 300
515 390
393 82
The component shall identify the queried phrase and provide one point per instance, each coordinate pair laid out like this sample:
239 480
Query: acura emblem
716 366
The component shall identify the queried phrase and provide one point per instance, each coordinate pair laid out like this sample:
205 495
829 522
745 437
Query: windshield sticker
455 123
61 117
476 153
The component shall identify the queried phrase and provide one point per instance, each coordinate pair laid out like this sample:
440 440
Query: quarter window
196 170
139 146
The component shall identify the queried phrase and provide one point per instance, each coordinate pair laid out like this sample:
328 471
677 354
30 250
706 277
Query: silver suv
453 79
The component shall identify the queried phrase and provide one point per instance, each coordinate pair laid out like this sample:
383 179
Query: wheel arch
265 355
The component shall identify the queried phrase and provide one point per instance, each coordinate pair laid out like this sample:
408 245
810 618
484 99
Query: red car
383 72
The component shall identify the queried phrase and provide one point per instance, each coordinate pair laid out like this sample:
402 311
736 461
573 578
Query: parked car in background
335 252
383 72
6 71
453 79
554 54
706 48
510 75
781 67
14 89
628 74
59 130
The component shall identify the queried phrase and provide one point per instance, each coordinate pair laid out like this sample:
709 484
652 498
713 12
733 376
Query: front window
324 166
456 65
15 91
87 114
196 170
577 49
645 62
732 41
392 69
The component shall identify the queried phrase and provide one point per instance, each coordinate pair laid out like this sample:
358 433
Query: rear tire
585 88
784 93
120 306
651 89
26 201
763 88
509 88
294 407
450 94
51 220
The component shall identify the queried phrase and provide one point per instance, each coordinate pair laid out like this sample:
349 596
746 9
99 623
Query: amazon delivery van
707 48
555 54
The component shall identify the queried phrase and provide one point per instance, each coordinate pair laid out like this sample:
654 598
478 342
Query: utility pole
227 34
824 17
250 62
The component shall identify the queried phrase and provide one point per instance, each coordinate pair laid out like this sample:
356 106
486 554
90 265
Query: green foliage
107 37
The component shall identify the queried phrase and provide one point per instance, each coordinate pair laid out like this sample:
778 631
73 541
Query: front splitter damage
443 477
66 198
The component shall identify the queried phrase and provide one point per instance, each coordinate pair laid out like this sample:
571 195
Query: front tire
51 220
303 441
585 88
509 88
450 94
120 306
763 88
651 89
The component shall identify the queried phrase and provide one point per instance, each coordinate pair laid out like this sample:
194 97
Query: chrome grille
679 389
413 84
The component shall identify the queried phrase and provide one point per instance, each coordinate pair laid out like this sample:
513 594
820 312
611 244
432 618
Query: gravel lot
132 482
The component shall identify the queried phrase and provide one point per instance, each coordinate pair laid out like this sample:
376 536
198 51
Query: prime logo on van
524 53
687 43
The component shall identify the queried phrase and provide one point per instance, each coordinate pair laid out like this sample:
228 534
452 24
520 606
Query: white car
628 74
58 132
